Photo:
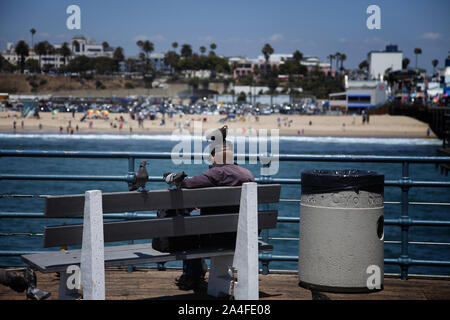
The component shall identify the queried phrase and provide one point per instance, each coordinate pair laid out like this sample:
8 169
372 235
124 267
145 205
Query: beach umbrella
105 112
55 112
97 112
90 111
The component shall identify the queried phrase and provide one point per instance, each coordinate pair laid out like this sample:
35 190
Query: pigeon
18 283
33 292
174 179
140 177
216 134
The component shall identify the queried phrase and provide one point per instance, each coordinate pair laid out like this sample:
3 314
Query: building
245 66
157 61
79 45
359 95
381 61
88 47
313 62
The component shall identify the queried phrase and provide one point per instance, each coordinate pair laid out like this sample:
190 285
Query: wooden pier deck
151 284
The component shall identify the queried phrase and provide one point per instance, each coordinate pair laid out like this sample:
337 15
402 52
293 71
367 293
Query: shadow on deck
151 284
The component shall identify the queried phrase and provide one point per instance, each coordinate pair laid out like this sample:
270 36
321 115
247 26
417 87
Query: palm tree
202 49
142 58
417 51
130 64
337 56
267 51
41 49
147 47
33 31
171 59
343 57
118 56
105 45
65 51
22 50
175 45
435 63
213 46
298 56
363 65
186 51
405 63
331 57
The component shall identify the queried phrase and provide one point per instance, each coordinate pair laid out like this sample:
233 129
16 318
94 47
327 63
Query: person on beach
222 172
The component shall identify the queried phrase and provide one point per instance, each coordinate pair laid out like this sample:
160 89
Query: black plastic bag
327 181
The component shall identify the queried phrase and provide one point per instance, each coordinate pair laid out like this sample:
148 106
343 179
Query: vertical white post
92 251
246 253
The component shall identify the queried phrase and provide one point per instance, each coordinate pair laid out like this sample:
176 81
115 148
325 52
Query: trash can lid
326 181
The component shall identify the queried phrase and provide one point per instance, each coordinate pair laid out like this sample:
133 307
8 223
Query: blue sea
165 143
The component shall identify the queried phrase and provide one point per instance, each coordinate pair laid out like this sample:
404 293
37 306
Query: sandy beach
298 125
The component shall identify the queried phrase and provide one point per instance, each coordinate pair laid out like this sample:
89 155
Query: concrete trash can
341 246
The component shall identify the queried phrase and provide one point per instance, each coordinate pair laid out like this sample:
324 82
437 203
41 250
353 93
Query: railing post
404 258
130 183
265 232
130 171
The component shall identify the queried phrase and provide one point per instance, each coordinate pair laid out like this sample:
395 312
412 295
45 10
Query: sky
241 28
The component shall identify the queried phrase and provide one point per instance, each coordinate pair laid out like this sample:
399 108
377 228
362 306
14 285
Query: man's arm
200 181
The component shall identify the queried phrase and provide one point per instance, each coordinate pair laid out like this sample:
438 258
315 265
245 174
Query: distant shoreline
385 126
162 135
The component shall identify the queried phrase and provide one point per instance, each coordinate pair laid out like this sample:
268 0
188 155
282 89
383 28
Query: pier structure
272 282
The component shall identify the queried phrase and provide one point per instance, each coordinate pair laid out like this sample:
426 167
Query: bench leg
220 275
246 252
64 292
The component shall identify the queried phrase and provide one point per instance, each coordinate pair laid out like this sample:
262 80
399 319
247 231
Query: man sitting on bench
222 172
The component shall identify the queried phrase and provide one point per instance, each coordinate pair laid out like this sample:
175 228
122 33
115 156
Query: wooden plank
57 261
116 202
151 284
161 227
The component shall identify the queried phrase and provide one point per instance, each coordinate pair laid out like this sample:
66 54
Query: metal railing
405 183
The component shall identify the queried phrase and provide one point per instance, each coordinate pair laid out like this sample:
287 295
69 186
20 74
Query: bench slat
116 202
161 227
58 261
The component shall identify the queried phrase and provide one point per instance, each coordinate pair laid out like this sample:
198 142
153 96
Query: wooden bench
94 256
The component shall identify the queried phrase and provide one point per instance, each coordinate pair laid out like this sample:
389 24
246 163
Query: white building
79 45
360 95
276 57
380 61
88 47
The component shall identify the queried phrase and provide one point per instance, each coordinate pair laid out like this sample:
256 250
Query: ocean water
165 143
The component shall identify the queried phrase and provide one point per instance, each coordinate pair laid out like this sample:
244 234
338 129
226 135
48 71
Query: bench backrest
67 206
55 236
73 206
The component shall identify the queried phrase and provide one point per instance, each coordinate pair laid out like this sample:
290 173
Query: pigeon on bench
174 180
140 177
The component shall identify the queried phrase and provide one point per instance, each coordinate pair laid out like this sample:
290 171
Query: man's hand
174 179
